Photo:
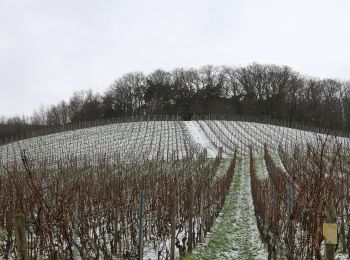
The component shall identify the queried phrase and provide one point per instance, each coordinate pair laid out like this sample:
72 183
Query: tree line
256 90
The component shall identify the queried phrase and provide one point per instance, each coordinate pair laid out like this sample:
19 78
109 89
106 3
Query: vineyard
139 141
164 189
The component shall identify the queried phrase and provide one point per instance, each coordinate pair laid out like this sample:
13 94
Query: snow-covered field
240 135
157 140
148 140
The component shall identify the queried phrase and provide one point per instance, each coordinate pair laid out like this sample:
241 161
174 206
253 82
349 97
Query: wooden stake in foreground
330 232
173 225
20 233
142 206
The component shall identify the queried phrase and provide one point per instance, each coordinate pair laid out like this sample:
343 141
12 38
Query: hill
158 140
210 188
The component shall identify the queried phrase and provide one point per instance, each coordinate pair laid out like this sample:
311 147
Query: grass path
235 234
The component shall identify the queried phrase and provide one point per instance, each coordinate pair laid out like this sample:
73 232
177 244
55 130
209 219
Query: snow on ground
235 234
145 140
151 140
260 167
246 134
278 161
200 138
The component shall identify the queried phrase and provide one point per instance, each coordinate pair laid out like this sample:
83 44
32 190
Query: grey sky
49 49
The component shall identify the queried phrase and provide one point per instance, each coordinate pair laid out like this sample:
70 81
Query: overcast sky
49 49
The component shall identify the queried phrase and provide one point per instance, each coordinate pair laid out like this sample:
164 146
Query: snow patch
199 137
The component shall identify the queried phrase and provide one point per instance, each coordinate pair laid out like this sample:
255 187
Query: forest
259 90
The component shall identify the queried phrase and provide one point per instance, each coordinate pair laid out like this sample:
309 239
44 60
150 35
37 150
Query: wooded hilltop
277 92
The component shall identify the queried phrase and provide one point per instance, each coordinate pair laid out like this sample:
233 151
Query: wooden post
142 206
173 225
289 227
342 228
190 225
348 240
330 218
75 235
201 218
20 233
116 230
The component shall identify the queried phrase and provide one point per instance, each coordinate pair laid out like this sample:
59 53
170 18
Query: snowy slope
242 135
159 140
200 137
147 140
